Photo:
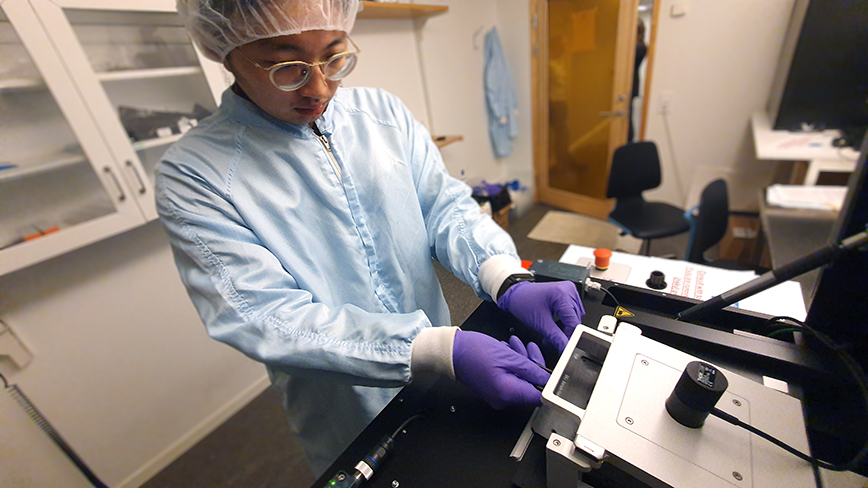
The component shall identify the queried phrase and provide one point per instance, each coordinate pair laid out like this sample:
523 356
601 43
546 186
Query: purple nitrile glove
531 352
536 303
493 370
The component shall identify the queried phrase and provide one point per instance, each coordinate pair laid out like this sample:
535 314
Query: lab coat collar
244 111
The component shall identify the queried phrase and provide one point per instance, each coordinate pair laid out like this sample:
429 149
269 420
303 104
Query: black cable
613 296
738 423
858 376
405 423
370 464
781 331
43 424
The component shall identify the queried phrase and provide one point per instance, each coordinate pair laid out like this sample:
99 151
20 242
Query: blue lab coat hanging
500 97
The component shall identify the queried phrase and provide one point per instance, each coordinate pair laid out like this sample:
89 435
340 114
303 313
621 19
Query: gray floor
255 447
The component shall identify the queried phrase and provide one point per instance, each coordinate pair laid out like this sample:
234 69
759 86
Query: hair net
219 26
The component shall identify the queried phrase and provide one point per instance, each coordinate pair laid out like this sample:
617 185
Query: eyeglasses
292 75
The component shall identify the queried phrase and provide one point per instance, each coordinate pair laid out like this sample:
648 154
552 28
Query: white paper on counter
701 282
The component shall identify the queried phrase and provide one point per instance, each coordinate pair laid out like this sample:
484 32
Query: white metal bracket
12 347
564 464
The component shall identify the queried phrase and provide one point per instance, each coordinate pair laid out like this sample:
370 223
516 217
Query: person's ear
227 63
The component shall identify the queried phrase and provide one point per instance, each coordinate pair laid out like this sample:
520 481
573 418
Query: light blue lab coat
500 97
326 279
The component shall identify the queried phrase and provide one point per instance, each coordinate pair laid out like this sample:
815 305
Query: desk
814 147
794 233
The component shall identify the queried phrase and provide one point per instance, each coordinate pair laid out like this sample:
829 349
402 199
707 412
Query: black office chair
636 168
709 221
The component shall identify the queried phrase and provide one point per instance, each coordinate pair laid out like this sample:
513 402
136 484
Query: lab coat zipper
331 156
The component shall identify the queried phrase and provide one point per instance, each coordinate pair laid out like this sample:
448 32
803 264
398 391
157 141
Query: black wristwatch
511 280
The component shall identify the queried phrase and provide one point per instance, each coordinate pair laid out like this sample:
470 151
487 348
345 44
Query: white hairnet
219 26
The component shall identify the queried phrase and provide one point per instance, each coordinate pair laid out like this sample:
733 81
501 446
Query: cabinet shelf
157 142
442 141
121 75
21 83
141 74
377 10
31 166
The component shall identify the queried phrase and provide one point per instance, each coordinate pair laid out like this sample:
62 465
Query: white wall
436 67
122 365
390 60
514 27
716 63
453 49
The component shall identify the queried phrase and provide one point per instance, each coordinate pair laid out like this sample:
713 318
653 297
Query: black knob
700 387
657 280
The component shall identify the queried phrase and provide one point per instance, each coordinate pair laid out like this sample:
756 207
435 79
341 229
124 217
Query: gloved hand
497 372
535 303
531 352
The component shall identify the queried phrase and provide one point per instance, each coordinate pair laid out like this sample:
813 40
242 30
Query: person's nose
317 86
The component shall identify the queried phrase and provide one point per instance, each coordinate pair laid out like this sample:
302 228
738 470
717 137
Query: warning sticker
621 312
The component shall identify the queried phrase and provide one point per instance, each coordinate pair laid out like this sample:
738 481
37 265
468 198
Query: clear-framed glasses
292 75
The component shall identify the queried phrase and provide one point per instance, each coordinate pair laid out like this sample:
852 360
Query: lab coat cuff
432 351
495 270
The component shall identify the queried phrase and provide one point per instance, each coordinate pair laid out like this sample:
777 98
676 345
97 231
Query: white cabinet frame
127 214
80 92
90 84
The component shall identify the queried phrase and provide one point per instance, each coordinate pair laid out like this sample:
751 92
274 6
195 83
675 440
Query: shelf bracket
13 348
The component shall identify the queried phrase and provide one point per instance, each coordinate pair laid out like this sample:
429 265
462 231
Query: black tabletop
460 441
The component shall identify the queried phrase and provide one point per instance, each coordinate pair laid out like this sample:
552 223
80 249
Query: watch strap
513 279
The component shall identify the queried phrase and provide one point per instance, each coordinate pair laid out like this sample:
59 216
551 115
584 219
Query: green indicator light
332 482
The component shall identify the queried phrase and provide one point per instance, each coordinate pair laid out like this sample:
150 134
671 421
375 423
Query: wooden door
582 79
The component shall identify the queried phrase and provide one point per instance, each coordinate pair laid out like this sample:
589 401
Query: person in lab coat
305 218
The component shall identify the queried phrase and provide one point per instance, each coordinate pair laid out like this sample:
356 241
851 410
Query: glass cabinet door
140 74
59 186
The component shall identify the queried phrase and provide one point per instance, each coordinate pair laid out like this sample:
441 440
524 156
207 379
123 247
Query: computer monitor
822 77
840 302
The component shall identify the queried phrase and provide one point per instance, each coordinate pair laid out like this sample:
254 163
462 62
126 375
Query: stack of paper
809 197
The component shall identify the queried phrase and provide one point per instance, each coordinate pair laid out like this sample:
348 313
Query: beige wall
122 365
716 65
436 67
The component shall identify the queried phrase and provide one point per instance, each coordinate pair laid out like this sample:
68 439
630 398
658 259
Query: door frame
649 64
624 57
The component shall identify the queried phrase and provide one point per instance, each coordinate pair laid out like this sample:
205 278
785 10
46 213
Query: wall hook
476 35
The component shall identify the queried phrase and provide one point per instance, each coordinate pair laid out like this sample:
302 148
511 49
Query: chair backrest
710 223
635 168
